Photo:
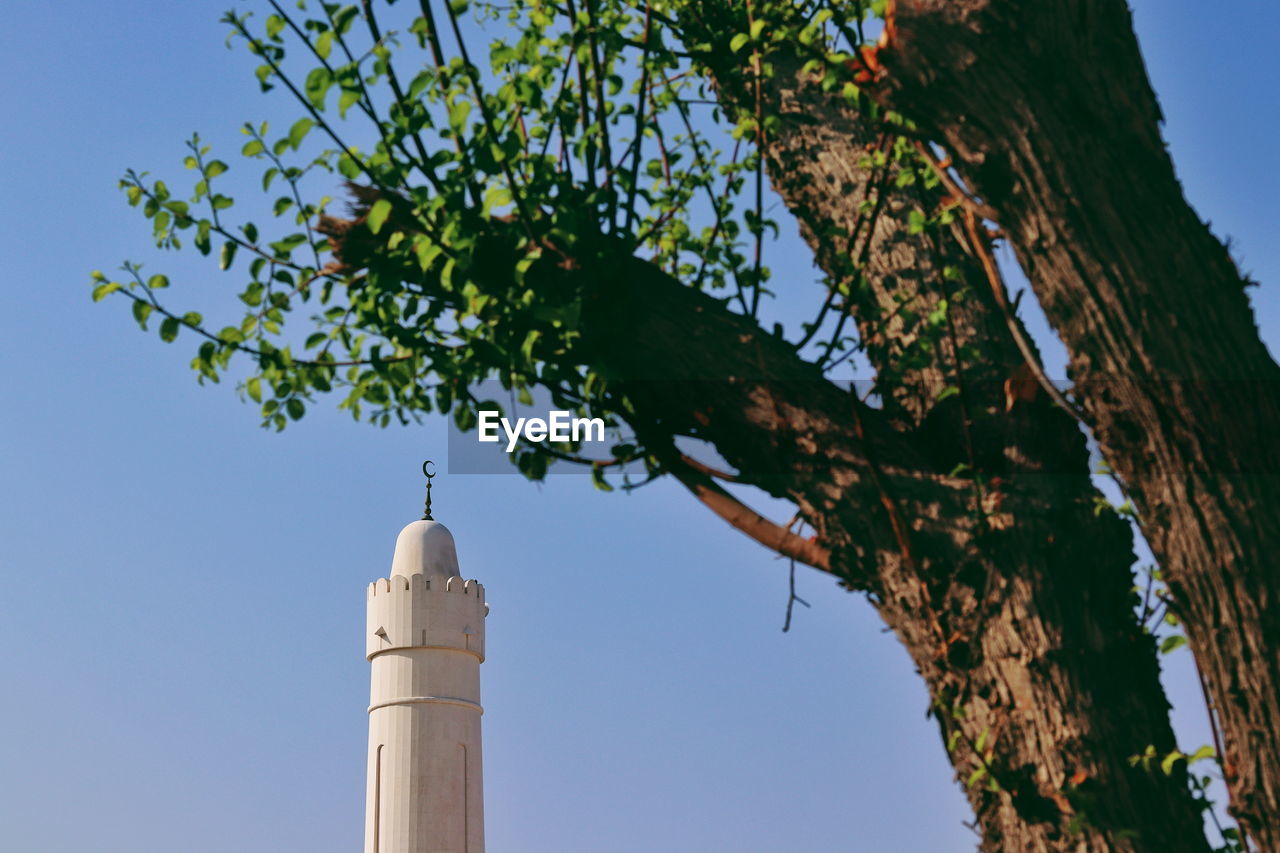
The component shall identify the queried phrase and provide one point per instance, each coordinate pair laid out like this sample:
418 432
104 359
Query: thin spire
428 469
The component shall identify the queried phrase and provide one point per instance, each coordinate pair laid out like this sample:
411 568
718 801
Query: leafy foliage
588 133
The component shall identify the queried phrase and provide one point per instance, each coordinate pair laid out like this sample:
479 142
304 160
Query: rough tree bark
1048 114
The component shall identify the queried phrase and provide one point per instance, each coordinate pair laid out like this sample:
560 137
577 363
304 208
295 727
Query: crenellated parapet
421 611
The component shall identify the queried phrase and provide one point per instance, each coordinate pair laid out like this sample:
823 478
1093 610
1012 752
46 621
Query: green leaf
427 252
347 99
228 254
526 349
598 480
378 214
203 244
157 282
736 43
263 73
295 408
299 131
1172 643
168 329
458 113
342 20
215 168
141 311
317 86
105 289
324 44
981 743
254 389
915 222
348 167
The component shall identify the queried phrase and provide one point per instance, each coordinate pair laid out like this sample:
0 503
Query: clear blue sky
184 592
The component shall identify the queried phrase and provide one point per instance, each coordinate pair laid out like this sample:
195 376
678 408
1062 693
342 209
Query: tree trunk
1048 113
817 151
1022 626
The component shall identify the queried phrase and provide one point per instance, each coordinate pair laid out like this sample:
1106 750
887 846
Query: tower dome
425 548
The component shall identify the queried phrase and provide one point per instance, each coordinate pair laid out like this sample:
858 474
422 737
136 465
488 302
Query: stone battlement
414 583
421 612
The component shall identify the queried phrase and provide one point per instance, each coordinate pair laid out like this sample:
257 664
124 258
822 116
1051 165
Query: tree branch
770 534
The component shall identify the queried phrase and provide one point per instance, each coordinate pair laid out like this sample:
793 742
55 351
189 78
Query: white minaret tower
425 641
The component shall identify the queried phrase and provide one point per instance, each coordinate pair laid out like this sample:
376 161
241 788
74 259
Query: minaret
425 641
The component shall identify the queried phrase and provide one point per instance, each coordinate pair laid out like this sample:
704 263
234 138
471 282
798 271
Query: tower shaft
425 643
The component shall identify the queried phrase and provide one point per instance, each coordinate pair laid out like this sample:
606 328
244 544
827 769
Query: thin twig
639 132
982 251
792 598
239 347
262 51
517 191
